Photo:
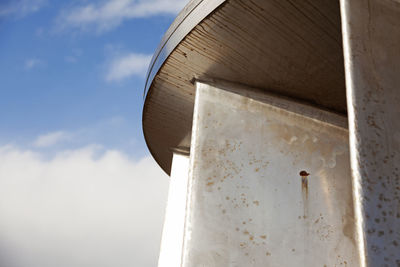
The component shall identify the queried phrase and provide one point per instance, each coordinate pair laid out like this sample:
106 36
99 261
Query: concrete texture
267 186
371 35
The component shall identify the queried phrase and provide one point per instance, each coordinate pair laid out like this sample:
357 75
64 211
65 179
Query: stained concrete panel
267 186
371 35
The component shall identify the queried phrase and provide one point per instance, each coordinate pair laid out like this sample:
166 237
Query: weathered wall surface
371 35
248 204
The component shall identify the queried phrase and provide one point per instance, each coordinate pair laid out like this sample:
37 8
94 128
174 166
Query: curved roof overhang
291 48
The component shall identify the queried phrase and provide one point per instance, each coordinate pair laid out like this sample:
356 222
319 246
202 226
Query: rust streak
304 182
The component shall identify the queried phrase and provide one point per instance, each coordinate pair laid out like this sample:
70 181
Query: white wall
172 238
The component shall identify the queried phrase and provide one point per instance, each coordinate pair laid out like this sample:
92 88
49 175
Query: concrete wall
371 35
173 231
248 204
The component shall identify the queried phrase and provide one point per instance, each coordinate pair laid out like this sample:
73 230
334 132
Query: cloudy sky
77 185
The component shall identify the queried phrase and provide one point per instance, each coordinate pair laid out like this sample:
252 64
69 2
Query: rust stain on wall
304 189
304 182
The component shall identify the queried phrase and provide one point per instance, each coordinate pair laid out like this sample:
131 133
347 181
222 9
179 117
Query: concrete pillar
173 231
371 38
269 183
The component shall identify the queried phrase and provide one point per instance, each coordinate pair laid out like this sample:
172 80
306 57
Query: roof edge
191 15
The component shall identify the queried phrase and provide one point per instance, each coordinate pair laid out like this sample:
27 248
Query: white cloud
128 65
108 14
81 208
32 62
101 132
20 8
51 139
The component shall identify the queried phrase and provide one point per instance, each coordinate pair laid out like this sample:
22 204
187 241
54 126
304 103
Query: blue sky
77 184
61 73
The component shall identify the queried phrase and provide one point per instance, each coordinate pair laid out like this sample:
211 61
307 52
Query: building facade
278 123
